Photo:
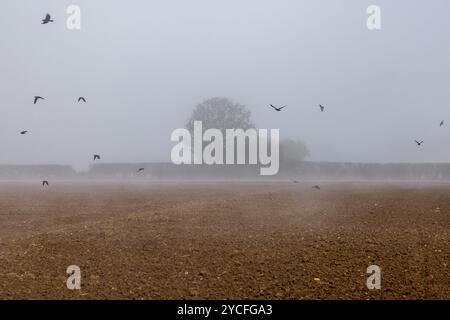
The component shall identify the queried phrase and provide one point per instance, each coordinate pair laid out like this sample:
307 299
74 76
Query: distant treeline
36 171
167 171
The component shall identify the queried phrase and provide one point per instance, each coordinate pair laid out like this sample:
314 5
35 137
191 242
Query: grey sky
143 65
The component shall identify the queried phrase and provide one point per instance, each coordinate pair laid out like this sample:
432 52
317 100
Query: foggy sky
143 65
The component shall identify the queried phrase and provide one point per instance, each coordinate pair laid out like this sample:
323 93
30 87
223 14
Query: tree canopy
220 113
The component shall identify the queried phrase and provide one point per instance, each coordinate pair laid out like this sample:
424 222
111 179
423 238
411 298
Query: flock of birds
38 98
80 99
46 20
49 19
322 108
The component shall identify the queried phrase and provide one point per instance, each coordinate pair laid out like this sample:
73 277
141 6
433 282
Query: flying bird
140 170
441 124
96 156
316 187
321 107
277 109
45 183
81 99
36 98
418 143
24 132
47 19
295 181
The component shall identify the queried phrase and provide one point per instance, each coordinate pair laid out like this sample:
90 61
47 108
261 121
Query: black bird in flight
316 187
295 181
36 98
45 182
140 170
321 107
81 99
441 124
47 19
418 143
278 109
24 132
96 156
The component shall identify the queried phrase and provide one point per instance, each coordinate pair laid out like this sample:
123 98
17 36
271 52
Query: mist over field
144 66
118 181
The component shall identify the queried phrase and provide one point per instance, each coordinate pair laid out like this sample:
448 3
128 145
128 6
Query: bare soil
224 240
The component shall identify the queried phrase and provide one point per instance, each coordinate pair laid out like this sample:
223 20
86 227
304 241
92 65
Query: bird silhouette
47 19
81 99
441 124
295 181
140 170
418 143
278 109
24 132
45 183
316 187
36 98
96 156
321 107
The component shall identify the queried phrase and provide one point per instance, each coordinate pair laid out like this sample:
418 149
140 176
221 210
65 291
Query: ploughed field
224 240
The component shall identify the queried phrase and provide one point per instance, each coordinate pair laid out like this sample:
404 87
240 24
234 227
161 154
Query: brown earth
224 241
